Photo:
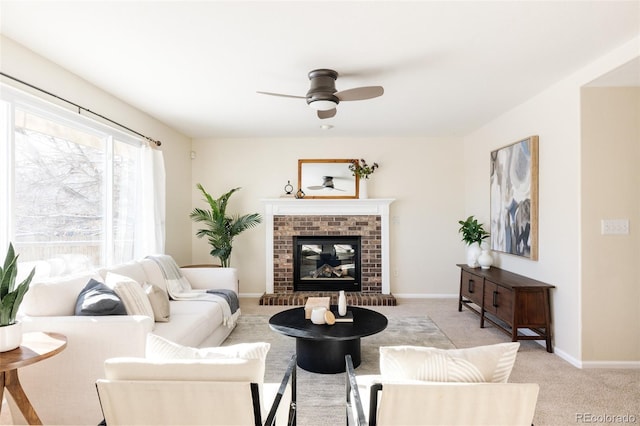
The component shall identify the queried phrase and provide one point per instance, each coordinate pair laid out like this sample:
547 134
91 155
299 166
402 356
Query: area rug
321 397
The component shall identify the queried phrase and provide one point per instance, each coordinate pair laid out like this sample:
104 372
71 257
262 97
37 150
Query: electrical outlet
614 226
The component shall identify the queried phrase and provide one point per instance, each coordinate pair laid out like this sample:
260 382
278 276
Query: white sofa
62 388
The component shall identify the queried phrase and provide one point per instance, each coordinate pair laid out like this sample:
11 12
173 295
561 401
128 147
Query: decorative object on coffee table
318 315
342 304
313 302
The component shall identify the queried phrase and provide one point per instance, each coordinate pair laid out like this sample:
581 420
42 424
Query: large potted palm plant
220 228
11 296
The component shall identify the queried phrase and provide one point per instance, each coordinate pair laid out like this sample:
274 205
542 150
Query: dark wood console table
507 300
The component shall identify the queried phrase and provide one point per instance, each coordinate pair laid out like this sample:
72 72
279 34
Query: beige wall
553 115
610 190
423 175
22 63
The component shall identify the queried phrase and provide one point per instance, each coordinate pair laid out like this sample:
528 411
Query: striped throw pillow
491 363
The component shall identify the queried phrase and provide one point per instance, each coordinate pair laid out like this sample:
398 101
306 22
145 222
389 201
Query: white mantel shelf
315 206
321 206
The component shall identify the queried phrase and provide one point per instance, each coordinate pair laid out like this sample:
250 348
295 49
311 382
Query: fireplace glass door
327 263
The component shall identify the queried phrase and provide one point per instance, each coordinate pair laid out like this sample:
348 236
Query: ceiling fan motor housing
323 86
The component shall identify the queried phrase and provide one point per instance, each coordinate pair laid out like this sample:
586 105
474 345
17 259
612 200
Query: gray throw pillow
98 299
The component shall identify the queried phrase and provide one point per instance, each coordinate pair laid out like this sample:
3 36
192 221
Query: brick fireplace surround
368 218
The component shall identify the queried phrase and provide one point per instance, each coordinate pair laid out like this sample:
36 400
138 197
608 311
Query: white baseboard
624 365
251 295
425 296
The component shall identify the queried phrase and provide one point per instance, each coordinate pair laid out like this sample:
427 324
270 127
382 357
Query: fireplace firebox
326 263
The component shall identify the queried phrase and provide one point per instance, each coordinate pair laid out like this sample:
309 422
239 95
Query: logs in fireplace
326 263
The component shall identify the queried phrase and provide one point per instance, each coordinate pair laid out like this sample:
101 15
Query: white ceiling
447 66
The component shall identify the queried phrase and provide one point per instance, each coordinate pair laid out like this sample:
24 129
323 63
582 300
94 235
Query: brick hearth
353 298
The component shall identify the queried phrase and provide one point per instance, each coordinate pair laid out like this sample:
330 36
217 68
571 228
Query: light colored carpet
321 397
566 393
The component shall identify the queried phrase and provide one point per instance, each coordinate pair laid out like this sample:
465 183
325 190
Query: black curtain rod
81 108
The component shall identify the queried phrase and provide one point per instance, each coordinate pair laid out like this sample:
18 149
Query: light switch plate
614 226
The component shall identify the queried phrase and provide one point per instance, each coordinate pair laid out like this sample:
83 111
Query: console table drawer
498 301
471 287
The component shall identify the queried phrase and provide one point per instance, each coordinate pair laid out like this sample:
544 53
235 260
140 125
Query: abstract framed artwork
327 178
514 198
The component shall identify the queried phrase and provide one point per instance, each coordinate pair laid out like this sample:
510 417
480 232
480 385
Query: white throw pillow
132 294
224 369
159 300
491 363
161 348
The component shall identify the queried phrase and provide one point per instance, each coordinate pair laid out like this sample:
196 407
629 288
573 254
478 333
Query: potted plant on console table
10 299
473 233
221 229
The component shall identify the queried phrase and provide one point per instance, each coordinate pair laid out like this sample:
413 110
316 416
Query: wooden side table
35 347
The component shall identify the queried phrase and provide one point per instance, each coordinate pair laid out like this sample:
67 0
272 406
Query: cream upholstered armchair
429 386
219 391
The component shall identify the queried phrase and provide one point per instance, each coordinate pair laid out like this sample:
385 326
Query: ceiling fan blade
280 94
327 114
360 93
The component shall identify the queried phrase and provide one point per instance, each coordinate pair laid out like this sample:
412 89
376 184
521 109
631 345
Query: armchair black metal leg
289 375
352 388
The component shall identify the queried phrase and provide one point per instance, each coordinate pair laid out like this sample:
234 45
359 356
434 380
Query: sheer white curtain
151 213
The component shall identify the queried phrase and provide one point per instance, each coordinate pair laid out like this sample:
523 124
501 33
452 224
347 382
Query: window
72 187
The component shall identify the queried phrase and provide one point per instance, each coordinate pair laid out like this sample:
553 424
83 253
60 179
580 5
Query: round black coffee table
322 348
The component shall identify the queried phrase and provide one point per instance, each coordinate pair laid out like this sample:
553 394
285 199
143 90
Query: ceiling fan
323 96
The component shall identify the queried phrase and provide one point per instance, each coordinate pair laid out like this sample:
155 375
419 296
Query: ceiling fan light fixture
323 105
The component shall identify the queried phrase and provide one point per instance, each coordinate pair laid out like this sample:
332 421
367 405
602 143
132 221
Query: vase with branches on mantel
361 170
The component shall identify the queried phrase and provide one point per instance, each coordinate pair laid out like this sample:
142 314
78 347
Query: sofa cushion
133 296
154 273
98 299
491 363
159 300
131 269
192 321
55 297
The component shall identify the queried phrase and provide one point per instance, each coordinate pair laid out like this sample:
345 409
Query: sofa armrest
63 387
212 278
125 330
